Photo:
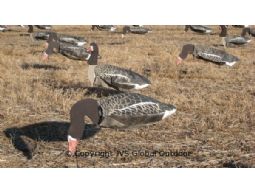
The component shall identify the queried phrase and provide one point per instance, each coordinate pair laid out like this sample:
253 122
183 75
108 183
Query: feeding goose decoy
113 76
63 38
3 28
198 28
122 110
207 53
248 30
135 29
46 27
232 41
64 45
103 28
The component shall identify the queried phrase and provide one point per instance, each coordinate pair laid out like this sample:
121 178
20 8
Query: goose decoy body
103 27
207 53
119 78
46 27
122 110
63 38
3 28
232 41
113 76
199 29
135 29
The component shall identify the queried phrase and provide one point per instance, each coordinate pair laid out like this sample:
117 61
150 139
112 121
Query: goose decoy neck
187 49
126 29
224 31
86 107
186 28
245 31
93 49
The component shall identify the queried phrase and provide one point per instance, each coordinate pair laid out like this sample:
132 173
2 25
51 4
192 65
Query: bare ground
215 119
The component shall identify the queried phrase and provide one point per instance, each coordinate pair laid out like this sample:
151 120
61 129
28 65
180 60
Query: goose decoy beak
86 107
179 60
72 145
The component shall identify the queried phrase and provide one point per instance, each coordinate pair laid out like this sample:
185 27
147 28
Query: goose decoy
113 76
207 53
3 28
103 28
198 28
135 29
122 110
248 30
46 27
232 41
59 43
63 38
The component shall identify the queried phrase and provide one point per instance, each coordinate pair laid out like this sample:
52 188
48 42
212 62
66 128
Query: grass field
215 118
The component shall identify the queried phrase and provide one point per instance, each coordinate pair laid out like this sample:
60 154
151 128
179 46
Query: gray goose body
235 40
3 28
132 109
73 52
117 77
199 29
104 27
214 55
135 30
47 27
69 39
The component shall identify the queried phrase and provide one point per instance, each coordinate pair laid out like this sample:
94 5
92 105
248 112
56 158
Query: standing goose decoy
103 28
118 111
113 76
232 41
207 53
199 29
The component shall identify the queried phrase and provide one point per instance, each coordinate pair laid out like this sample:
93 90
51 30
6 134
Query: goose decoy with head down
103 28
112 76
207 53
232 41
135 29
198 28
248 30
63 38
3 28
69 46
122 110
46 27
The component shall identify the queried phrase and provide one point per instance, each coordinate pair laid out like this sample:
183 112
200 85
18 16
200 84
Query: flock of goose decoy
125 109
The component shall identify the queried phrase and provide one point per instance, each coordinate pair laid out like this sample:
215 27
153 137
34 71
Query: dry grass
215 117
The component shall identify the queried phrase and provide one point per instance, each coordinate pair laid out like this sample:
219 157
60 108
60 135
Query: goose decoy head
86 107
186 49
94 51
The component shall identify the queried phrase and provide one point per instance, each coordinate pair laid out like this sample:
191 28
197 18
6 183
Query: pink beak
90 49
72 146
179 60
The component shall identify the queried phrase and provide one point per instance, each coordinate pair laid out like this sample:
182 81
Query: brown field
215 118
